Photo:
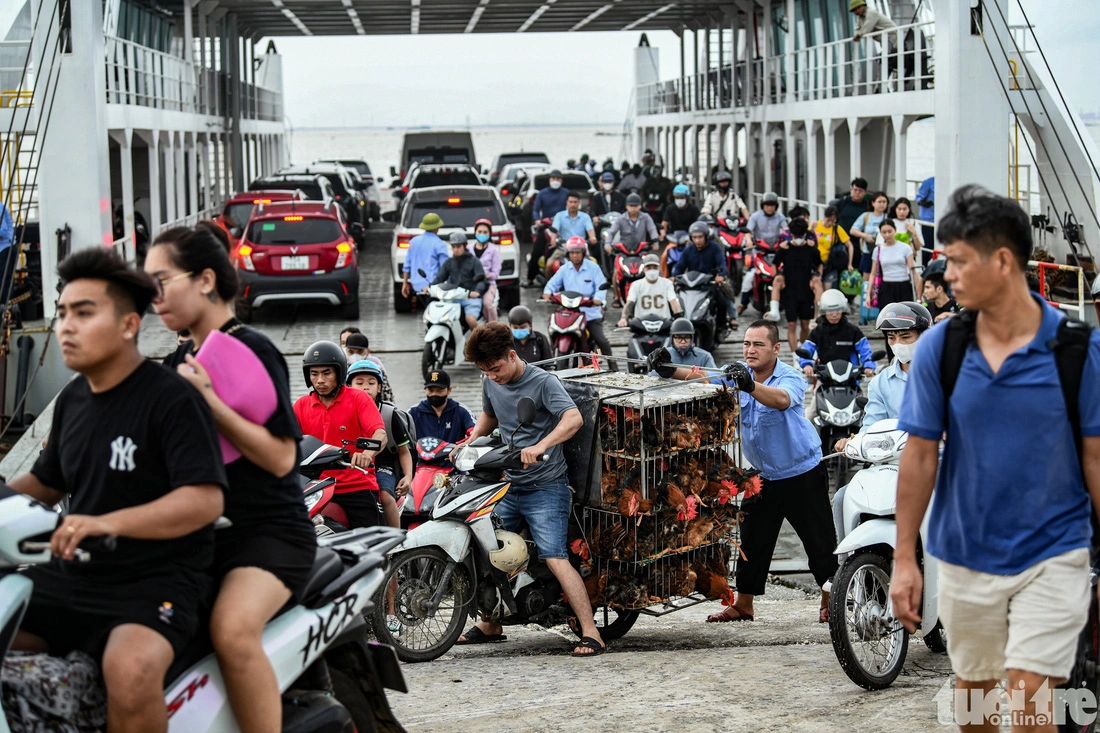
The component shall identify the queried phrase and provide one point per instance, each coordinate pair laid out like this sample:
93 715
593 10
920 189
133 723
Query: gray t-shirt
551 402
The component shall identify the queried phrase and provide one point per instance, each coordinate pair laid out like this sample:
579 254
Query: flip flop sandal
726 615
477 636
596 647
823 615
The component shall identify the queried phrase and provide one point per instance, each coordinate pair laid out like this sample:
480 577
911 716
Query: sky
568 78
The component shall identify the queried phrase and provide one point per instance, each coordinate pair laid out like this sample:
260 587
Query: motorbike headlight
311 499
842 418
878 447
464 459
440 481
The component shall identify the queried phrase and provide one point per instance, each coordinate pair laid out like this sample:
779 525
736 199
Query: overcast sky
563 78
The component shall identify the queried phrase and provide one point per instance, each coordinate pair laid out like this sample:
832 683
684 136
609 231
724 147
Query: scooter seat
327 567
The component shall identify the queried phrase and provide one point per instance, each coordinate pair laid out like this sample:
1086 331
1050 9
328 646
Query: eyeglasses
163 281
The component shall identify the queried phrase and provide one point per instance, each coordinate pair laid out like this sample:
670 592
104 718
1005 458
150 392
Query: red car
299 251
238 210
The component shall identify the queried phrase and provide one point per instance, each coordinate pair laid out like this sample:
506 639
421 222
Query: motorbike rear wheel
612 623
869 642
418 632
431 361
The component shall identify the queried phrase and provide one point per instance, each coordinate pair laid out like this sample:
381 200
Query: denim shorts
472 307
387 480
545 509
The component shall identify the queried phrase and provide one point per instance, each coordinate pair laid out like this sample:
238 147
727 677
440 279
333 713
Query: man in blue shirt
1011 520
427 252
926 201
572 222
781 443
9 254
549 201
437 415
582 275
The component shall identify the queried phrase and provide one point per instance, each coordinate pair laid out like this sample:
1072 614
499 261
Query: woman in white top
865 229
907 228
895 261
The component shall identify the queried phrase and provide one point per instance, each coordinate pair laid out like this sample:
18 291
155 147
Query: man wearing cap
869 21
658 185
607 200
427 252
549 201
464 270
637 226
437 415
652 298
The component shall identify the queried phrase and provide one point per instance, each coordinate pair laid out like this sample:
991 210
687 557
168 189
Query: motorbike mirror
861 401
525 411
803 353
605 286
876 355
393 171
368 444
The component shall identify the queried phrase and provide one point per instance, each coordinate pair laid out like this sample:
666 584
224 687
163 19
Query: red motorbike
568 324
628 266
735 239
763 264
433 465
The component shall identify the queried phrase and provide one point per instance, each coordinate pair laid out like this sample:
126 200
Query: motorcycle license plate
300 262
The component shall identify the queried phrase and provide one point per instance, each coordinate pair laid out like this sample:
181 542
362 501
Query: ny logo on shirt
122 454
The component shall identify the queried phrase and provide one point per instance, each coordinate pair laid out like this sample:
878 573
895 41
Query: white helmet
511 557
833 301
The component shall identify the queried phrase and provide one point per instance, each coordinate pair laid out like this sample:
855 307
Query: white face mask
681 203
609 187
904 352
555 185
652 275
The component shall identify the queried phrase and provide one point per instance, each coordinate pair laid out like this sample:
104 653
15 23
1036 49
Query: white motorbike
869 641
446 327
330 676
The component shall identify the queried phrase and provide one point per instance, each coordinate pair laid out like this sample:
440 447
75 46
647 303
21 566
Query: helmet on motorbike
681 190
607 176
519 314
706 219
511 556
322 354
699 227
904 316
722 176
633 200
651 259
457 238
832 301
576 244
365 366
682 327
770 198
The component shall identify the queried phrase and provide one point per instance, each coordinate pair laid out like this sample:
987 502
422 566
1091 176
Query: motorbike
331 677
674 245
432 467
446 326
444 571
870 643
698 294
318 493
568 328
603 241
764 272
734 238
650 334
628 266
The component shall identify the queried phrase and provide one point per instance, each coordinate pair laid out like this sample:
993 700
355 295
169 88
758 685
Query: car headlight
878 448
464 458
311 499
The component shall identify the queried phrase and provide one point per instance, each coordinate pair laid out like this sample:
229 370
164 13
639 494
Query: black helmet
519 314
722 176
706 219
904 316
682 327
325 353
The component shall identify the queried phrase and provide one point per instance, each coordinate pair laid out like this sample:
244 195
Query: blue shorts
865 262
472 307
387 481
545 508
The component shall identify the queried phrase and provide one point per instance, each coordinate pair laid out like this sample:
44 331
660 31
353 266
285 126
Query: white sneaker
773 313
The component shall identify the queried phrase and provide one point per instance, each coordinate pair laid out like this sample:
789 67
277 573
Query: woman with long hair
266 556
905 220
865 230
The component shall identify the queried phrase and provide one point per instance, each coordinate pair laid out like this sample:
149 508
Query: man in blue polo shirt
582 275
1010 524
572 222
781 443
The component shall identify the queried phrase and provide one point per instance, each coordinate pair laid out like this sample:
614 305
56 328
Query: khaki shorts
1029 621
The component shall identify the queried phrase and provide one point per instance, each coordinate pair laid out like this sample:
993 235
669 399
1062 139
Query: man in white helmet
652 298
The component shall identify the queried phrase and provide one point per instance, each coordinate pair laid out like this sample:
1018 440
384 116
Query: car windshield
428 179
435 155
526 158
237 215
359 166
337 183
463 214
571 181
310 188
307 230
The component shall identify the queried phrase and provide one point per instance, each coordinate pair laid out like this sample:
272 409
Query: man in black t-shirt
136 451
681 213
936 299
800 259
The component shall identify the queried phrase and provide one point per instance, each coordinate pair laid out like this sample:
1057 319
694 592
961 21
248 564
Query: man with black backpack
1014 388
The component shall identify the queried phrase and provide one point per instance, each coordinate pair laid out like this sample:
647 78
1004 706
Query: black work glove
740 375
658 361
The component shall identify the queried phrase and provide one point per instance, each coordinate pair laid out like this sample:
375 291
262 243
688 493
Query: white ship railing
897 60
15 91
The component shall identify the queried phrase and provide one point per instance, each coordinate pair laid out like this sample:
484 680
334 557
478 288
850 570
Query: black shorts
288 557
799 308
78 612
362 508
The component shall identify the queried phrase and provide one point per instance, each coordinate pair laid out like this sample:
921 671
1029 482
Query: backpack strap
959 333
1071 350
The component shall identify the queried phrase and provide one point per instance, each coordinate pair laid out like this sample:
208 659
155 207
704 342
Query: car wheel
244 311
509 298
401 304
350 311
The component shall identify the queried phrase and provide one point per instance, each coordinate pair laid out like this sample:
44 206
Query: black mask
437 400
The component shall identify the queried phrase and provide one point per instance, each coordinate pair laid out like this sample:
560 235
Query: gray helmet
633 200
706 219
722 176
904 316
682 327
519 314
325 353
457 238
770 198
699 227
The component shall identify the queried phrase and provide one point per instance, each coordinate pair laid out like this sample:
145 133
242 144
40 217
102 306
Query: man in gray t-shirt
539 493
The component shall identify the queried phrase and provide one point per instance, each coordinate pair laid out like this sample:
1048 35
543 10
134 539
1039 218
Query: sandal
596 647
823 615
727 615
476 636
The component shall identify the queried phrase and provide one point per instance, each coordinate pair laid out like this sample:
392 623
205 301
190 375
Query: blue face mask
483 238
521 333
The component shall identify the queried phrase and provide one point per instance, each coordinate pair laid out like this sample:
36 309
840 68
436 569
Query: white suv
459 207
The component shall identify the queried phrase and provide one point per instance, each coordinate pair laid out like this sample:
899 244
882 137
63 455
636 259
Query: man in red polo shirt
339 417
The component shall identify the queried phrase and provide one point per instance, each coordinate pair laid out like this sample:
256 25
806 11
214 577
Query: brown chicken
631 504
686 506
712 583
698 532
596 583
682 432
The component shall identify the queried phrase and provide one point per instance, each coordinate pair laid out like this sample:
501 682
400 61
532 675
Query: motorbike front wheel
869 642
612 623
432 361
404 616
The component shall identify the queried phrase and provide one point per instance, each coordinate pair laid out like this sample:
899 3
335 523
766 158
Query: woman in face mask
489 255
